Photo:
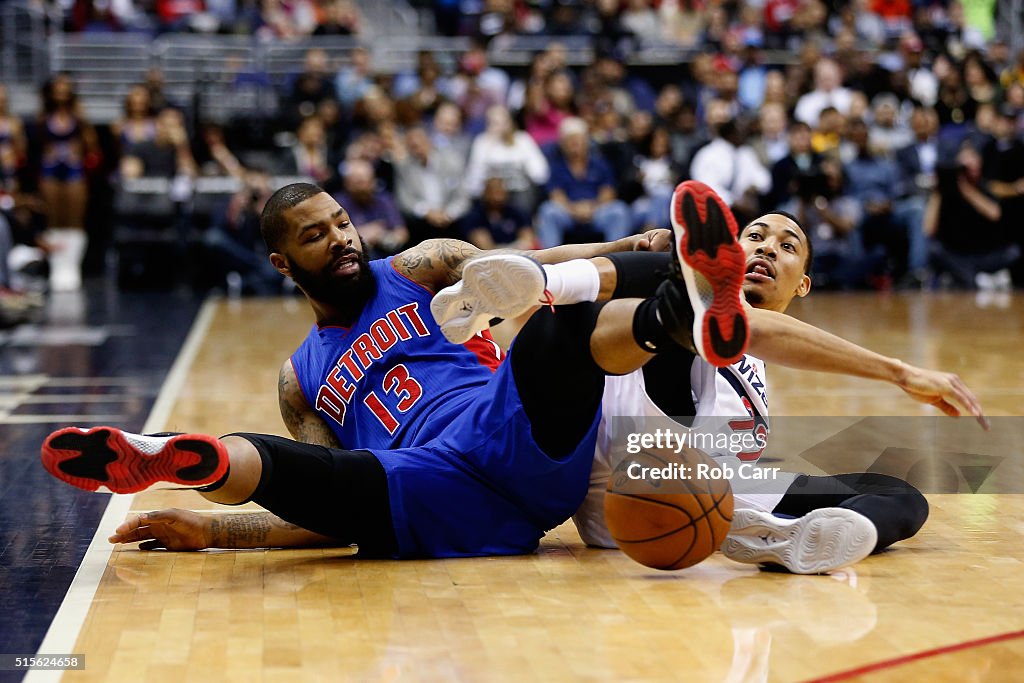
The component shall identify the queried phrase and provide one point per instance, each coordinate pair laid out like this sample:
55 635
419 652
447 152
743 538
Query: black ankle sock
209 488
648 332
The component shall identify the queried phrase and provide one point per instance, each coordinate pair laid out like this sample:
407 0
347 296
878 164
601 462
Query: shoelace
548 300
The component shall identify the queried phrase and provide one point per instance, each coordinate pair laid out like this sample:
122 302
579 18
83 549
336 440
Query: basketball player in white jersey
806 524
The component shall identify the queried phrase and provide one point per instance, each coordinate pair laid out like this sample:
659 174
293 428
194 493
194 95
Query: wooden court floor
947 605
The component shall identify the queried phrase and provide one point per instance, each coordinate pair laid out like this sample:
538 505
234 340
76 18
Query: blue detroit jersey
391 380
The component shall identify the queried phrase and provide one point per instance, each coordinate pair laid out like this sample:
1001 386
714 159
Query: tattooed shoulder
435 263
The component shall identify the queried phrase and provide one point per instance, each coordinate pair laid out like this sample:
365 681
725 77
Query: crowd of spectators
893 133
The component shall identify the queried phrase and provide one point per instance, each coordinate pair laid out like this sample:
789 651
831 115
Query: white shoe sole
821 541
498 286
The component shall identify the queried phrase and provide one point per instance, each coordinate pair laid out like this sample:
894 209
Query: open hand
944 390
171 529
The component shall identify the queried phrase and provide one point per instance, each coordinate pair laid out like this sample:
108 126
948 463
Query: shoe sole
821 541
103 457
498 286
712 262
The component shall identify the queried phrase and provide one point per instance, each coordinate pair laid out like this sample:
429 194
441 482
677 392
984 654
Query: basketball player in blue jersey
459 457
808 524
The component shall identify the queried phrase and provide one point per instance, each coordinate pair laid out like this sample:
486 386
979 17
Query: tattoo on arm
248 530
436 263
302 421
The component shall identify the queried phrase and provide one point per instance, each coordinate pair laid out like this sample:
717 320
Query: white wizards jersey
732 399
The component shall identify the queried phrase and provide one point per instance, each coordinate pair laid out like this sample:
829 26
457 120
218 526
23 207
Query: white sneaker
495 286
819 542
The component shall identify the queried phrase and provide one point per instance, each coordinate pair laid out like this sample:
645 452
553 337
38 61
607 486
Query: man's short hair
572 125
809 261
273 225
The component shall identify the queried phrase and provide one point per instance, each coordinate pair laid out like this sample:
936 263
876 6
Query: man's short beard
753 297
346 294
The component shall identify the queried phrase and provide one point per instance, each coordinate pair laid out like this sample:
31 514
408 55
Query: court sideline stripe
917 656
63 633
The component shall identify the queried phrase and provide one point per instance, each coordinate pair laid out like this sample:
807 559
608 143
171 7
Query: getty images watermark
737 444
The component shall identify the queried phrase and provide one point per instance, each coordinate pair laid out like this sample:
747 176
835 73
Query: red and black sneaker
108 459
709 261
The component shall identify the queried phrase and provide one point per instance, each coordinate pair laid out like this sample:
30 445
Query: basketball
667 522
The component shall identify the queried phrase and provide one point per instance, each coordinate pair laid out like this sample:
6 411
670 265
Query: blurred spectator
13 147
329 114
155 84
542 64
420 94
895 14
961 36
497 18
753 75
801 161
447 132
503 152
887 133
372 210
137 124
547 106
686 137
167 155
980 79
658 177
375 110
641 20
340 18
213 156
310 88
291 19
429 187
683 21
235 244
731 168
69 147
407 81
771 144
355 79
667 104
495 222
581 191
1003 167
1013 74
828 134
924 86
831 218
964 221
778 15
828 92
874 181
917 163
175 15
477 86
858 16
621 149
954 104
309 155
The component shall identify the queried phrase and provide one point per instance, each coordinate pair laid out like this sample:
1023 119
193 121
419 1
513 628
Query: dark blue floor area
103 354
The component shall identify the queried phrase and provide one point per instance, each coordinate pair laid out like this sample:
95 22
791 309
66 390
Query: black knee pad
638 273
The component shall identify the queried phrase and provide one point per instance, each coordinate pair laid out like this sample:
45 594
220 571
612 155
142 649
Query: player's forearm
568 252
779 338
260 530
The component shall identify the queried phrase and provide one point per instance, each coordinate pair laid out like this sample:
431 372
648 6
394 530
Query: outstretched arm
779 338
185 530
438 263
